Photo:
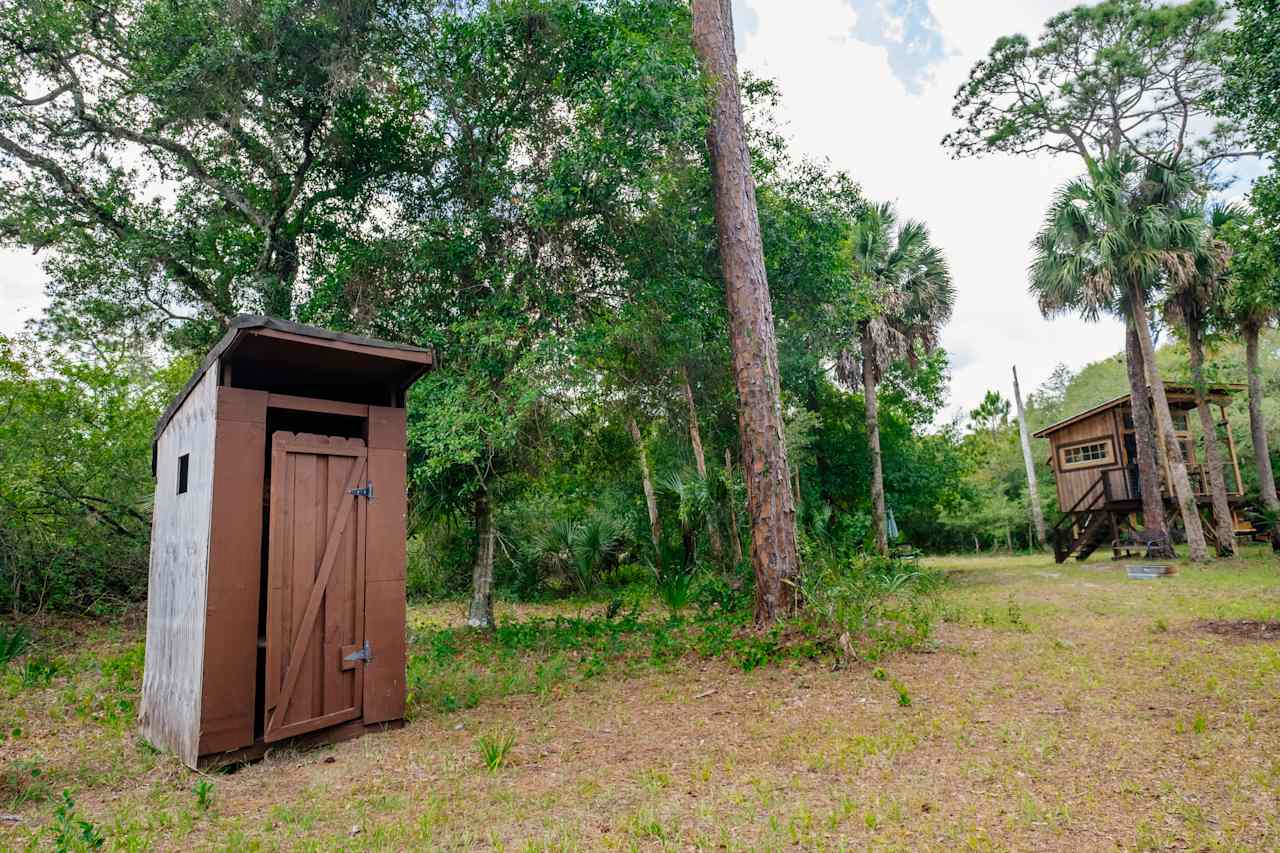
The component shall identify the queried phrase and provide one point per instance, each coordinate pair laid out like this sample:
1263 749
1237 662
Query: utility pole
1033 486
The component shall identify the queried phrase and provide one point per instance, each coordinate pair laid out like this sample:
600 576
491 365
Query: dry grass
1062 708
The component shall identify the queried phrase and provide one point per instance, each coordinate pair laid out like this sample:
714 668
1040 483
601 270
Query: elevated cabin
276 597
1094 457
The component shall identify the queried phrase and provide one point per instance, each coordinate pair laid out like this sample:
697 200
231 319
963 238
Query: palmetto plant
911 281
580 550
1109 242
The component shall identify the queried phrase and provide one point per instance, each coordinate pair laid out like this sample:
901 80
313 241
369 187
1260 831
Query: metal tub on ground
276 600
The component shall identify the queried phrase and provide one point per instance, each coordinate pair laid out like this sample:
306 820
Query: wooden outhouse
276 601
1095 465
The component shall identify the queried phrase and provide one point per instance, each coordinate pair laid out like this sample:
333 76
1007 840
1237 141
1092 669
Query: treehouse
1095 464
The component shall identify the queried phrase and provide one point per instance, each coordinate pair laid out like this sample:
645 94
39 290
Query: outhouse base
312 740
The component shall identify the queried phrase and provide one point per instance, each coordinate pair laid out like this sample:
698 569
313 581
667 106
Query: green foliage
14 640
75 479
72 832
876 604
1250 86
495 748
204 794
675 592
1115 75
264 130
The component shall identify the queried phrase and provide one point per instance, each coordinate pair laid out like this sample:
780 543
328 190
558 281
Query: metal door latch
365 491
364 654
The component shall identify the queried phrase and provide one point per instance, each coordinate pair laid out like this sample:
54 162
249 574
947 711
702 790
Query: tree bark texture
650 497
1224 526
1033 486
480 614
735 542
879 513
1150 481
1183 493
1258 430
700 459
770 503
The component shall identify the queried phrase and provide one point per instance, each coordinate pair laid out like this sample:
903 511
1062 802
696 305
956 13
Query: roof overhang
1221 392
259 348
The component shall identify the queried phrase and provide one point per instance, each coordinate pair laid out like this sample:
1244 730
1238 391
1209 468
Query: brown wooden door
315 584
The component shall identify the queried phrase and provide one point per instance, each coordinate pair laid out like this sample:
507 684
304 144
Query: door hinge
364 654
365 491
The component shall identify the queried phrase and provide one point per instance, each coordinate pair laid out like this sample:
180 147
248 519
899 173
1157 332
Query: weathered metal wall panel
169 716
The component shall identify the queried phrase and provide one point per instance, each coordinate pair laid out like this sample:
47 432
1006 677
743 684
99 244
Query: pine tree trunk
735 542
699 459
1151 483
1033 485
1223 521
1258 429
751 329
650 497
1186 498
481 612
879 519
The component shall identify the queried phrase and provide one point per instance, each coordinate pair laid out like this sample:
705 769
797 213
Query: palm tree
911 282
1109 241
1252 305
1193 301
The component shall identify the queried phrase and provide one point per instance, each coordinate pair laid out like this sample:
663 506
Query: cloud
843 103
908 31
746 21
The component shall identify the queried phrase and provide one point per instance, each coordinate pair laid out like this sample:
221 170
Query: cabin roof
1218 393
257 340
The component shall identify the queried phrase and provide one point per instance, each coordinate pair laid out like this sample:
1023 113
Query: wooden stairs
1093 522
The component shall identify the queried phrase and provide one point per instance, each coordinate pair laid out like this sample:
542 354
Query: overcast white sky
867 85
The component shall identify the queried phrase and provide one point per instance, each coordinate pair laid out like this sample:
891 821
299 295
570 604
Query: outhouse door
315 629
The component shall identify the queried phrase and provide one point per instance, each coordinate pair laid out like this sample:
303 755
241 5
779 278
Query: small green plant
1199 725
904 698
39 672
204 794
1015 616
1160 626
495 748
674 590
879 674
13 642
72 832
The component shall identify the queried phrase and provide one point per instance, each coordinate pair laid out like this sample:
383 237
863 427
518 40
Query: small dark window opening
184 462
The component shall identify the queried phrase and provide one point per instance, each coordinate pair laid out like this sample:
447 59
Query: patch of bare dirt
1243 629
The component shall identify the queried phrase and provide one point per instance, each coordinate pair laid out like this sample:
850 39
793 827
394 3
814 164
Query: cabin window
184 463
1087 455
1179 421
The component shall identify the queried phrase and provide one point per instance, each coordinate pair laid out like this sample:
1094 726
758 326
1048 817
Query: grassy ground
1059 707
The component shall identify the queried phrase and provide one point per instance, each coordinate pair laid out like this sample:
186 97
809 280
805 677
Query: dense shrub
75 478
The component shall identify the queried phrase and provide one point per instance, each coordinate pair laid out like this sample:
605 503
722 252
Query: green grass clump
495 748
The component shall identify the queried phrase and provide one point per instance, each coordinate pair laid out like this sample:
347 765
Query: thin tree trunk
1186 498
751 329
1223 522
735 542
879 515
481 612
1033 485
650 497
699 459
1258 429
1150 481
